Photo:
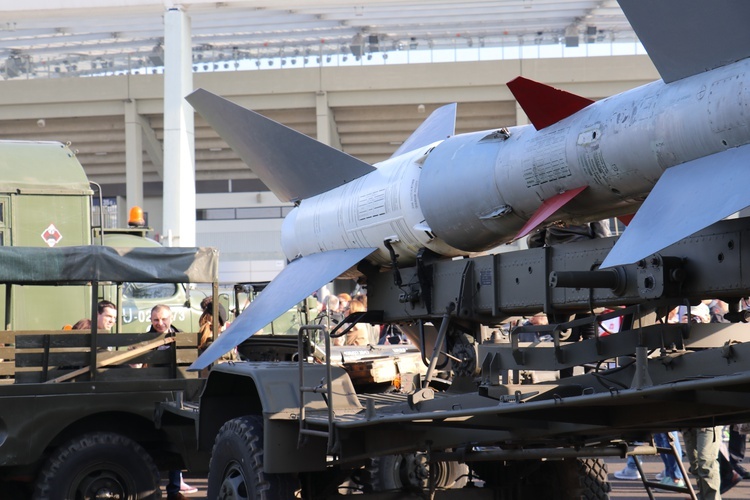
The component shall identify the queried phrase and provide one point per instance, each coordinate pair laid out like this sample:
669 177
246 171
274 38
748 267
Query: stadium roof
81 37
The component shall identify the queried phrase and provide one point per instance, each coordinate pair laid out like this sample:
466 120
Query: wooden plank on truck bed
116 359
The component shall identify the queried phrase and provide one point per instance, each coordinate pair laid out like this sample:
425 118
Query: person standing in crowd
206 330
672 475
538 319
360 333
161 322
344 300
702 448
106 316
703 444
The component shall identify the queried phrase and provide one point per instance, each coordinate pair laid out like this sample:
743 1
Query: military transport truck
276 430
76 416
76 406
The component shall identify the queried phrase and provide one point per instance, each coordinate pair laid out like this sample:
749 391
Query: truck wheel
568 479
593 477
99 465
411 471
236 466
577 479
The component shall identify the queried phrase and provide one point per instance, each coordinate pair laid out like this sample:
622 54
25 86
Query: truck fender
272 390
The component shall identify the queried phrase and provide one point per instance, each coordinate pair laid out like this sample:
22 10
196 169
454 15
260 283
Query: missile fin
440 125
687 198
545 105
548 207
298 280
293 165
625 219
687 37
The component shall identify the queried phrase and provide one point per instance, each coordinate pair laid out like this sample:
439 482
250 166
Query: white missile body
678 148
475 191
380 206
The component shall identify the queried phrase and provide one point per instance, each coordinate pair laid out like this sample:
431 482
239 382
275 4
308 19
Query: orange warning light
136 217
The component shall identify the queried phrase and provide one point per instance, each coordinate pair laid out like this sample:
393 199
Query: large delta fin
687 37
547 208
687 198
292 165
440 125
545 105
298 280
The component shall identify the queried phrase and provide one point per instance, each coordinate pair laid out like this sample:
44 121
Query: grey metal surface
293 165
515 283
440 125
685 38
687 198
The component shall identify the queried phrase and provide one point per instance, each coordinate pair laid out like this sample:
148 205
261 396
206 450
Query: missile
676 152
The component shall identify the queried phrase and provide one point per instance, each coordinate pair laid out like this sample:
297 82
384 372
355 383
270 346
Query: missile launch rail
306 427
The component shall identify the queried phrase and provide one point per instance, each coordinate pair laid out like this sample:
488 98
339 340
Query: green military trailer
77 407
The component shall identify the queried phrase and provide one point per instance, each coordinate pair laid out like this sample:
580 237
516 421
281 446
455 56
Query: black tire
236 466
569 479
593 477
411 471
99 465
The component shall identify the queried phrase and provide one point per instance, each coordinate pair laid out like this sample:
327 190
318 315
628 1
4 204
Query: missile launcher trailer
307 429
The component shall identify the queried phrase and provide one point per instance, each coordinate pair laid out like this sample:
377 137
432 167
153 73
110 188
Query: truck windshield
149 290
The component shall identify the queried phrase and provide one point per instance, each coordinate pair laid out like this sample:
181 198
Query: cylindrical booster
478 190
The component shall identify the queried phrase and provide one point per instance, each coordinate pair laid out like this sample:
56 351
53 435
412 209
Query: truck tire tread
96 455
238 450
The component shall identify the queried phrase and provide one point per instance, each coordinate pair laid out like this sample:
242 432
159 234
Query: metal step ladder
650 486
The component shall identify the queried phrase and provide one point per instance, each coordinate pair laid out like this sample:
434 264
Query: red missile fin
549 207
545 105
625 219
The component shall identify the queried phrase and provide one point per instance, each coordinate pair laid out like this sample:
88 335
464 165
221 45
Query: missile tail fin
293 165
686 199
687 37
440 125
548 207
298 280
545 105
625 219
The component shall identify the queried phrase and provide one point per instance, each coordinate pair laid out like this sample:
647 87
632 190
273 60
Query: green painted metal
42 168
45 201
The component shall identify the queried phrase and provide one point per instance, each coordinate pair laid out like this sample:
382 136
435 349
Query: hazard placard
51 235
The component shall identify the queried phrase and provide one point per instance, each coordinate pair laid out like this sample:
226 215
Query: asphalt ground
621 490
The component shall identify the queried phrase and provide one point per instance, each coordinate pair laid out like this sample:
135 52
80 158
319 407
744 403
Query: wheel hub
234 485
102 486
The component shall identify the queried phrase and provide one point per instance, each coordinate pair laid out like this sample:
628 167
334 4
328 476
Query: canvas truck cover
39 266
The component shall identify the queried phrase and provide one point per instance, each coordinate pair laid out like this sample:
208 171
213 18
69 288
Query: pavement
634 490
621 490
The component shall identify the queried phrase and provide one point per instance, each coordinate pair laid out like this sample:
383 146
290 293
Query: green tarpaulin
32 265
